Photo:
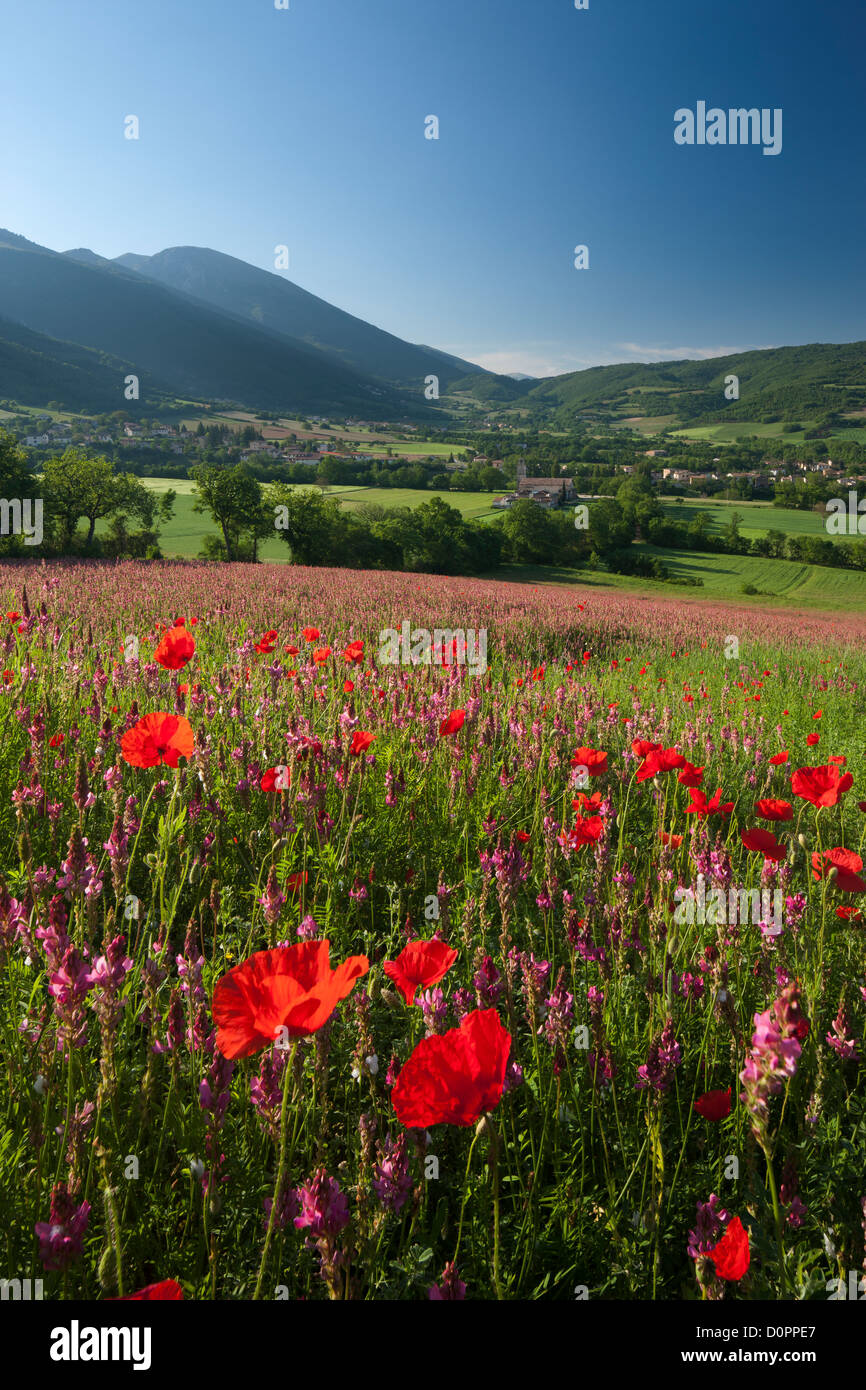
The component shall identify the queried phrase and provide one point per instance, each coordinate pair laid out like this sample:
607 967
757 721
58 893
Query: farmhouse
544 492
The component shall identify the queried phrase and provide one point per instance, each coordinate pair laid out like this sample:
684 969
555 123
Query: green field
729 433
783 582
758 517
182 536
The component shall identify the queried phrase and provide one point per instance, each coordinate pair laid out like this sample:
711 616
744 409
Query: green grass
788 582
184 534
758 518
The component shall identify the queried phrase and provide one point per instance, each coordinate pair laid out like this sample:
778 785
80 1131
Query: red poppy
454 1077
354 651
348 687
292 651
310 634
420 964
690 776
763 842
168 1289
847 865
295 882
641 747
700 806
321 654
659 760
268 642
714 1105
156 739
290 987
175 649
587 829
453 724
582 802
779 758
56 741
731 1255
593 759
774 809
523 836
276 779
360 742
849 914
672 841
823 786
812 739
837 758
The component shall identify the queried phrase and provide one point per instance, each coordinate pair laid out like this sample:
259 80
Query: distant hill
771 381
35 370
195 350
273 302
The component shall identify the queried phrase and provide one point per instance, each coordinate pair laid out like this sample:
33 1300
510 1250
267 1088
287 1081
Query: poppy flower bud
195 873
280 845
833 874
484 1126
657 783
389 997
802 841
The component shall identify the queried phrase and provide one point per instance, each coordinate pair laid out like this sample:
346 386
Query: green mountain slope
273 302
808 379
195 349
35 369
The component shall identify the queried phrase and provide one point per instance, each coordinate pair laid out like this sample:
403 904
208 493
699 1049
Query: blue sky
305 127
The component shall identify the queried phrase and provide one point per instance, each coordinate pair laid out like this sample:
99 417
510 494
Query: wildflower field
327 976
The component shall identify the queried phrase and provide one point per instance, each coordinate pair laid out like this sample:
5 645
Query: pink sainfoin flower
287 1209
61 1238
664 1056
106 979
324 1214
273 899
841 1039
434 1010
559 1016
773 1056
487 984
324 1208
266 1091
308 929
450 1289
392 1181
711 1220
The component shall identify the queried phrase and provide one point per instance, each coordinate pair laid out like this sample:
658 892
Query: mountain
187 347
810 379
35 370
273 302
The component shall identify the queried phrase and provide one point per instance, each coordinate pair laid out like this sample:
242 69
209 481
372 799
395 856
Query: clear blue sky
306 127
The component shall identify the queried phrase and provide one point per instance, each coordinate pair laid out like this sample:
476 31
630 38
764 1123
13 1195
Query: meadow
183 535
329 976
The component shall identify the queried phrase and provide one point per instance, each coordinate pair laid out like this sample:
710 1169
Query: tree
308 523
78 484
237 504
731 533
